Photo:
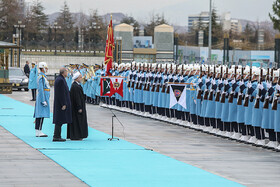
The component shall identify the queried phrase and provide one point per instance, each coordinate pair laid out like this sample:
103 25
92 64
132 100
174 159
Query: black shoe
59 140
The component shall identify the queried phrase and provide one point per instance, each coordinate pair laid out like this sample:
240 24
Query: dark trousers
213 122
259 133
33 94
193 118
39 123
243 129
148 108
227 127
251 130
57 131
206 122
178 114
272 134
220 124
234 127
200 120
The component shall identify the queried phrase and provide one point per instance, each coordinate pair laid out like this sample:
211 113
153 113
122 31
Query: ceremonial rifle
231 95
147 79
158 84
199 94
240 94
164 85
276 95
223 99
212 90
155 80
257 103
133 82
168 87
130 76
206 93
218 94
246 101
270 80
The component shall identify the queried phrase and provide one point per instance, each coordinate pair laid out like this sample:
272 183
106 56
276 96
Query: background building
142 48
225 19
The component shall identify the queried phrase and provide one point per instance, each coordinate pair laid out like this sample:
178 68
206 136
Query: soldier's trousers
33 94
39 123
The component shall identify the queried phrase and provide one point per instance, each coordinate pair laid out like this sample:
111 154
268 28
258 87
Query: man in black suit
62 105
26 69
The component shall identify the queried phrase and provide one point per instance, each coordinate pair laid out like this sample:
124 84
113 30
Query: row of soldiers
237 102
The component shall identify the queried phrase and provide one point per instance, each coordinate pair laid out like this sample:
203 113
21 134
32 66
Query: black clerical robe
78 129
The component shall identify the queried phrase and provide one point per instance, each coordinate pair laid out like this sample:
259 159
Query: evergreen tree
11 11
65 19
38 17
217 30
276 17
97 31
154 21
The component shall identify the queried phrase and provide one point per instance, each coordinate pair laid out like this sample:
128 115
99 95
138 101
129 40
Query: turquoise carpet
101 163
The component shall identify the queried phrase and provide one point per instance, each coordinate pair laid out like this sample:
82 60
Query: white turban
76 75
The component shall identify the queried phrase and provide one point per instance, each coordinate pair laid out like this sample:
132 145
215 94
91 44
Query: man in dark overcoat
62 113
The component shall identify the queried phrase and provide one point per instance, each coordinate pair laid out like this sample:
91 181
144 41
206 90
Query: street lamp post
55 27
118 49
210 33
19 27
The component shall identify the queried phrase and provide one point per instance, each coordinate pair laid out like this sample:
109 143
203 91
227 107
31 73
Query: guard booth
5 50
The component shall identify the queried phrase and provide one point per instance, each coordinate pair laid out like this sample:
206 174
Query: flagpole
114 41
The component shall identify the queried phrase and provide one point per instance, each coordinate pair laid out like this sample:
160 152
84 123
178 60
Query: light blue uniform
249 109
43 96
32 84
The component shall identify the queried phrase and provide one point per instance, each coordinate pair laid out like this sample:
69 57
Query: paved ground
242 163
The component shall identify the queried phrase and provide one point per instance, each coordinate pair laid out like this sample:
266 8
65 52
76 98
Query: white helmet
43 65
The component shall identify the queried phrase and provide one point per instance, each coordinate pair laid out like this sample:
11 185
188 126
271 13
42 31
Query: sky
175 11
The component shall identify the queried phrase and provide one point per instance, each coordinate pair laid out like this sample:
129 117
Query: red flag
110 46
116 86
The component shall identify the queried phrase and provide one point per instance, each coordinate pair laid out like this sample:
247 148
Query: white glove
260 86
277 87
268 85
44 103
225 81
249 84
